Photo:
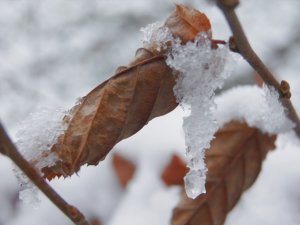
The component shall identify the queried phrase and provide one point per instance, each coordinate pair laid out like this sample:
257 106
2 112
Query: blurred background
54 51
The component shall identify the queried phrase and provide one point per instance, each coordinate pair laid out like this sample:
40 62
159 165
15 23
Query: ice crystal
156 36
202 70
195 183
35 137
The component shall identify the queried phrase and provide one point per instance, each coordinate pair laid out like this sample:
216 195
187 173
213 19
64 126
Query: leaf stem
9 149
243 46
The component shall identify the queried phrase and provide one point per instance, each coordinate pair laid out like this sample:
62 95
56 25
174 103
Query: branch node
229 4
285 89
233 45
73 211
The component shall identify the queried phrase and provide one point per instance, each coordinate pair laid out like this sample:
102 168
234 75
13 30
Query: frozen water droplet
196 162
194 183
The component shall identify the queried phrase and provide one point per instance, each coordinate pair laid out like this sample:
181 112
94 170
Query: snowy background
54 51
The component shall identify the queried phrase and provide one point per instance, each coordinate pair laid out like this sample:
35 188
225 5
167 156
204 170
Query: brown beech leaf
174 172
187 23
124 169
123 104
234 162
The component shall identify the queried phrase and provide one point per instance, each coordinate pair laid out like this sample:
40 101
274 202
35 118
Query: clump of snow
275 117
34 140
156 35
202 70
258 107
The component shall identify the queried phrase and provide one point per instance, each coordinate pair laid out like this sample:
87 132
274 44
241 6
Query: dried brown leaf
174 172
122 105
234 162
187 23
124 169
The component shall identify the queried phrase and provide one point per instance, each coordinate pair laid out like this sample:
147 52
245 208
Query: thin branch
9 149
241 44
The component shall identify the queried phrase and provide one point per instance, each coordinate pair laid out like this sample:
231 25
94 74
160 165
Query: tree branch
241 44
8 148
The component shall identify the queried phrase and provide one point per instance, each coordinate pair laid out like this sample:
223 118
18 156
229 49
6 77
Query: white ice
201 71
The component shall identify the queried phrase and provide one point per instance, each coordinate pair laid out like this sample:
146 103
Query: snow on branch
258 107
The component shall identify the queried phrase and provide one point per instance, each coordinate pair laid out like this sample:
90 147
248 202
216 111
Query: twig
9 149
240 43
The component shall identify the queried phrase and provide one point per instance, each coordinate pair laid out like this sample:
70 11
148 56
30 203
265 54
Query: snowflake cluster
35 137
202 70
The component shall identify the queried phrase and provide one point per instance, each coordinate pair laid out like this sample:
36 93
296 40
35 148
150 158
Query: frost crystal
202 70
35 138
156 36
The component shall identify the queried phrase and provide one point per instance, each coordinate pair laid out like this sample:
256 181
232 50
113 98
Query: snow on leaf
122 105
234 161
202 70
156 36
35 137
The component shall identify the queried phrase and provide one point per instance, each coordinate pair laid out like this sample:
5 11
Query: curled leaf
122 105
191 21
234 162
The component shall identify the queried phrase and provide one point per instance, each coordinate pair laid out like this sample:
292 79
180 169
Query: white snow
34 139
156 35
202 70
258 107
53 51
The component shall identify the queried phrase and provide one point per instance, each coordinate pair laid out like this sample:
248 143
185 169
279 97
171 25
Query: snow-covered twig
244 48
8 148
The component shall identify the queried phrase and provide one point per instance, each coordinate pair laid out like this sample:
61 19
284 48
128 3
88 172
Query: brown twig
9 149
240 44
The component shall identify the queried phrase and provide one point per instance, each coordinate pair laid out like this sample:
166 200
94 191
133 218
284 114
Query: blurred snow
54 51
